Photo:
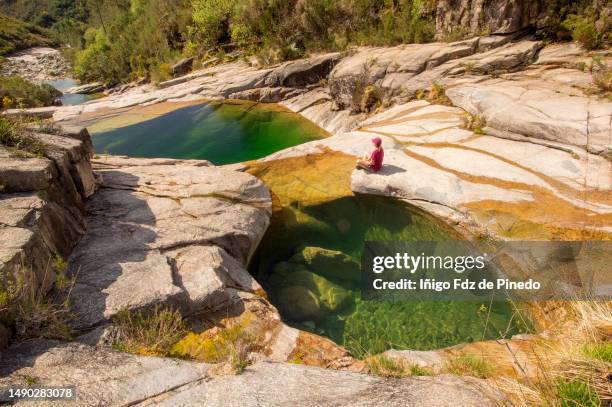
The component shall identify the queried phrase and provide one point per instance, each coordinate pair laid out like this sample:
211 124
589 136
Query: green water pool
308 262
222 133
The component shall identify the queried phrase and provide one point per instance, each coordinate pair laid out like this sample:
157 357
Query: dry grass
148 333
34 313
437 95
15 137
575 370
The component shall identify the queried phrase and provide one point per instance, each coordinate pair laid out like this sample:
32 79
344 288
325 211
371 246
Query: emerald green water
331 304
222 133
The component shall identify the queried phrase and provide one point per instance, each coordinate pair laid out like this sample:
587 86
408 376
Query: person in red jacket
375 160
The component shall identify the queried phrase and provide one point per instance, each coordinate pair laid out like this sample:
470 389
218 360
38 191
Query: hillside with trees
121 40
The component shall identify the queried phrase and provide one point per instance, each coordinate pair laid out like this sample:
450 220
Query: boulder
331 264
35 112
402 70
526 107
267 95
303 72
302 288
182 67
298 303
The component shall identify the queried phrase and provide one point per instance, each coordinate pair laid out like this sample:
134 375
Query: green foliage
584 31
93 62
582 20
476 123
576 393
288 29
129 40
16 35
18 92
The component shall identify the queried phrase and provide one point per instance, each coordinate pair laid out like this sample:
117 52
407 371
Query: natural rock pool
222 133
308 261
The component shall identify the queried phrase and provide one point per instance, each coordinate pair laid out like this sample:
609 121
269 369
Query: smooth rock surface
123 379
171 232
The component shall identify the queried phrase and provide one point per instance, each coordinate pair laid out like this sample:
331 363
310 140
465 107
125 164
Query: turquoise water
322 295
222 133
70 98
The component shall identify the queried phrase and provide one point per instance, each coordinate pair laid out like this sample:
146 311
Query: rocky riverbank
38 65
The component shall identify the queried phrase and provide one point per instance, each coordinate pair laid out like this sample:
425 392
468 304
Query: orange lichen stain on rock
406 120
547 216
309 179
549 219
593 194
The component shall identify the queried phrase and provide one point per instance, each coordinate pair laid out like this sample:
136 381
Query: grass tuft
469 365
148 333
32 312
384 366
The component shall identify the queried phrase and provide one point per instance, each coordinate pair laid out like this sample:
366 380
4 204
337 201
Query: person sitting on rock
375 159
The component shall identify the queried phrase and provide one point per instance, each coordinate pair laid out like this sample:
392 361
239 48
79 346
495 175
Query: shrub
148 333
16 91
476 123
584 31
16 35
602 77
15 137
93 62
